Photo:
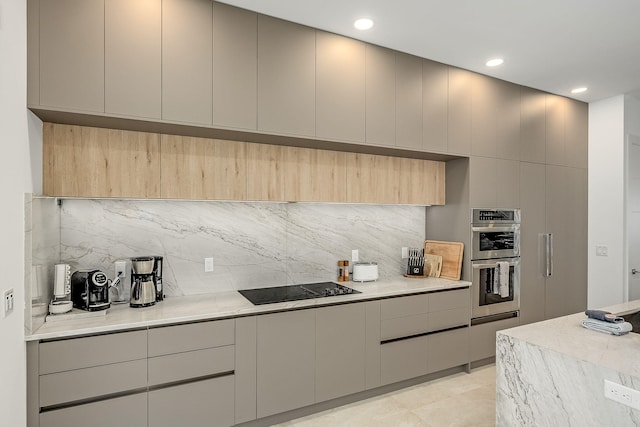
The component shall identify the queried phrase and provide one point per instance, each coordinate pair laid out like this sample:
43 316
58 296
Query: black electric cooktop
295 292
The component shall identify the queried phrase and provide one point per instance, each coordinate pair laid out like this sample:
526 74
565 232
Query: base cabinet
130 411
201 403
447 349
483 337
404 359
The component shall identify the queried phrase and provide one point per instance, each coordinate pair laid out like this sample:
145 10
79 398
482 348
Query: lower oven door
494 293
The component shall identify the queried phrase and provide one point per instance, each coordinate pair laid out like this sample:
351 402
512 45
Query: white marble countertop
224 305
566 335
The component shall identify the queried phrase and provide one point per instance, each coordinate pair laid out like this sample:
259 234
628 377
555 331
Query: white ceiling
552 45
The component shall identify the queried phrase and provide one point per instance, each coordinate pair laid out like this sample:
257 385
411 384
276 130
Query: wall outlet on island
622 394
208 265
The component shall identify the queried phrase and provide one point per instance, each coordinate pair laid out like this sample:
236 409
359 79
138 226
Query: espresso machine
146 281
90 290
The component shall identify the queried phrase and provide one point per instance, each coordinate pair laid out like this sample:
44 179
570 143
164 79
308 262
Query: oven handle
548 238
492 264
498 228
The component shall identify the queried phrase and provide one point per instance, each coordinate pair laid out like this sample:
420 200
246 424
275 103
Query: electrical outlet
355 256
208 265
622 394
121 269
405 252
8 302
602 250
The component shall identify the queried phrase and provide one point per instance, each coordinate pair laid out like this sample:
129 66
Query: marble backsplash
252 244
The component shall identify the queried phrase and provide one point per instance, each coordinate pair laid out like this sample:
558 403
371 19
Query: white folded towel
501 279
619 328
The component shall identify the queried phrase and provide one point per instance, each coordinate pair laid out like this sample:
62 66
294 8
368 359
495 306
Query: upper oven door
495 241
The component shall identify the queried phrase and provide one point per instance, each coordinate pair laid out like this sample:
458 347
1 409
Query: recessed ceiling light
363 24
494 62
579 90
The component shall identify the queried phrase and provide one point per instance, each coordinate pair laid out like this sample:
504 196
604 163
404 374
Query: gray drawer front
403 326
92 382
403 306
192 364
130 411
401 360
449 319
447 349
78 353
194 336
483 337
460 298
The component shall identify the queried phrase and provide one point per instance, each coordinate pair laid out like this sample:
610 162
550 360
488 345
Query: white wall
606 201
18 172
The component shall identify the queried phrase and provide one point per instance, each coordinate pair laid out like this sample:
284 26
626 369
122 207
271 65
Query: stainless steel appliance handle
549 254
495 228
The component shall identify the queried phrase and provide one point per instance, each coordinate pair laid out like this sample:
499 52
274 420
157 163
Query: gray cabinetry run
435 99
408 90
380 80
130 411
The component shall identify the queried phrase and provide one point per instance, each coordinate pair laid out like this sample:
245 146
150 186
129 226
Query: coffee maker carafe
143 282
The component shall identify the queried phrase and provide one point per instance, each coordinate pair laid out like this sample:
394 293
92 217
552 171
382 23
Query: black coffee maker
146 281
90 290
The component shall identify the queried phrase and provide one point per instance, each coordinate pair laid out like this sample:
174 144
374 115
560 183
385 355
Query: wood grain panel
422 182
92 162
265 179
315 175
373 179
203 169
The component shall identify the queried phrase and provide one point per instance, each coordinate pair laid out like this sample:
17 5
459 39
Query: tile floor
454 401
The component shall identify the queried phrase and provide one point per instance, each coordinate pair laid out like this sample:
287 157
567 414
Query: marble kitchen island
552 373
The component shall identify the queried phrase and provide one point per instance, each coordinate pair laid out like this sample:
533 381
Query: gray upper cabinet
507 120
133 55
235 64
286 77
187 55
576 134
459 111
435 95
408 101
483 111
494 183
71 60
340 88
532 126
555 112
380 81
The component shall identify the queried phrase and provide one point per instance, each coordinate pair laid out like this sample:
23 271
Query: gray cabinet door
482 340
130 411
507 120
340 351
187 54
72 54
532 125
576 134
483 113
286 77
494 183
435 95
201 403
459 111
566 206
380 84
235 64
286 350
408 101
447 349
555 113
340 88
533 211
132 60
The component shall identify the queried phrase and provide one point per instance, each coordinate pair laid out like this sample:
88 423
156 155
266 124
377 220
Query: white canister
365 271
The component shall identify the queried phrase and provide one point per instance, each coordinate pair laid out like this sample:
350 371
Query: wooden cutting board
451 253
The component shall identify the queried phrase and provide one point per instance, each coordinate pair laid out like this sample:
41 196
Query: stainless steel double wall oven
495 261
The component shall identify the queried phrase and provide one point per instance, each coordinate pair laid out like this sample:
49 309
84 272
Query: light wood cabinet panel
71 60
203 169
532 126
555 117
340 88
187 55
201 403
286 77
422 182
127 411
435 100
459 111
408 101
373 179
92 162
507 120
576 134
235 67
380 82
483 113
286 348
315 175
133 53
265 179
339 364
